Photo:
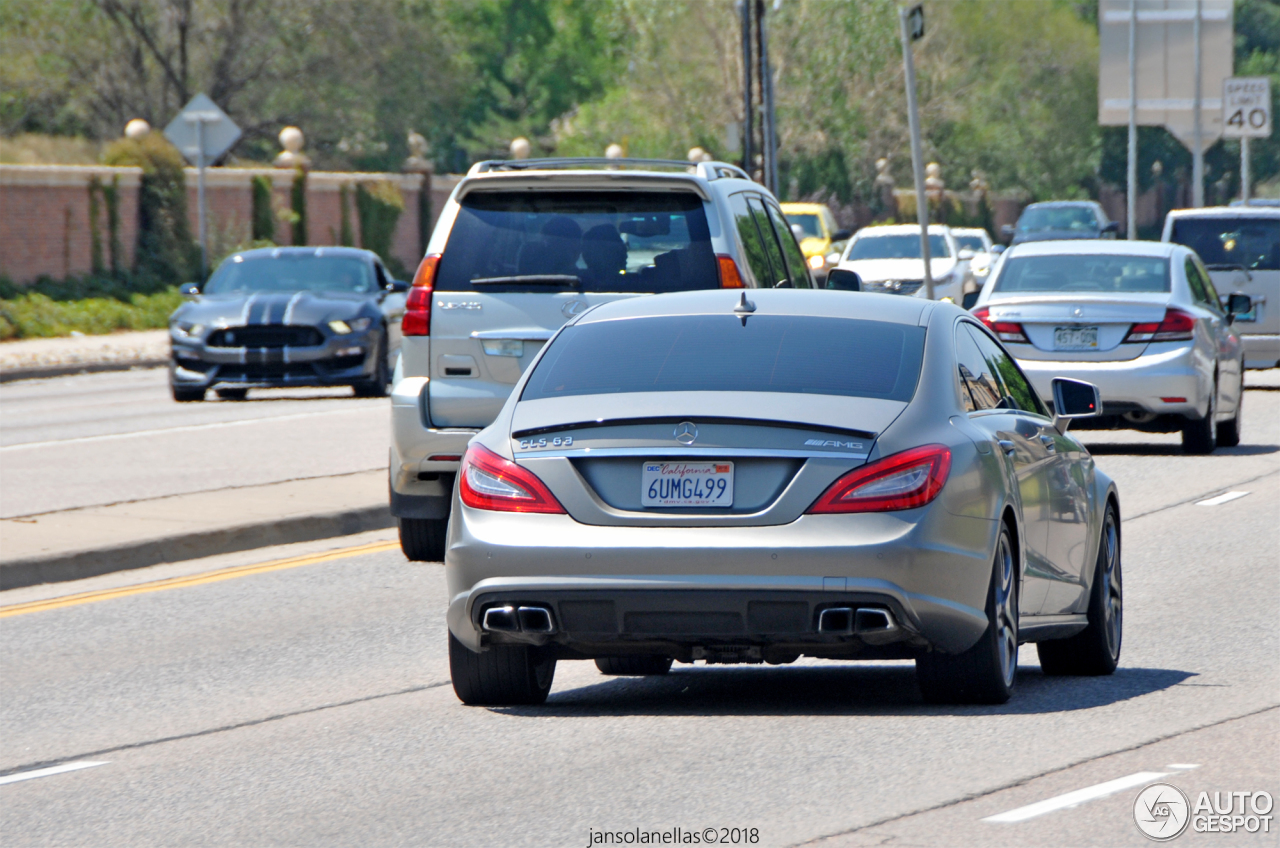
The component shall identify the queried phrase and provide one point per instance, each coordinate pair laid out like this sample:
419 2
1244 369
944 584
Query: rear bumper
1163 370
698 586
421 487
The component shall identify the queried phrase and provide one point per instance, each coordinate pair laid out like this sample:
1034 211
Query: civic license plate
1075 338
686 484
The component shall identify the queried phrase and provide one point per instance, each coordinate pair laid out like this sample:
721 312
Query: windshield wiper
529 280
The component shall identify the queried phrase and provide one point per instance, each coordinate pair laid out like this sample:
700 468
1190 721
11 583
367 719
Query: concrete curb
80 564
43 371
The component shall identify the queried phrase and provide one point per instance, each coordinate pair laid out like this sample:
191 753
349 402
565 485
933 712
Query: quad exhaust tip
849 621
511 619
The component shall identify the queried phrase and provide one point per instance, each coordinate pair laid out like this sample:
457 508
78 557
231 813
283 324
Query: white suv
523 246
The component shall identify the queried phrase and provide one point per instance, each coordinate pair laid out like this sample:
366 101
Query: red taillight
491 482
1006 331
903 481
417 306
729 276
1177 326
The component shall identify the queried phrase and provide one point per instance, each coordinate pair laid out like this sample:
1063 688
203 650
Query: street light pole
1131 197
1244 170
1197 152
917 156
204 233
748 107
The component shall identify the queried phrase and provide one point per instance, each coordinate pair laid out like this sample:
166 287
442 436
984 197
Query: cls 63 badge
538 444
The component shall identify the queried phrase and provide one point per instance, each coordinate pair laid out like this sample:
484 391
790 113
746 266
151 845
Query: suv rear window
634 241
1084 273
1252 243
719 353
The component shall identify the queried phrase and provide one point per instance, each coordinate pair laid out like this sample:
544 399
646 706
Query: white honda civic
1140 320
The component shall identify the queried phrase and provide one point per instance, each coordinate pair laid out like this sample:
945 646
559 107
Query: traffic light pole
917 155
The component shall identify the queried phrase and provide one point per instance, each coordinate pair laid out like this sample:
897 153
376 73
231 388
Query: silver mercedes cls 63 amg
752 477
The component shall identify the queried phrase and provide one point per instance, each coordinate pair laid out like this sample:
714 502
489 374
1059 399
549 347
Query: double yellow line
193 579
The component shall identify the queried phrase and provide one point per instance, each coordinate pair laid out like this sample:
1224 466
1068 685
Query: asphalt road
310 705
95 439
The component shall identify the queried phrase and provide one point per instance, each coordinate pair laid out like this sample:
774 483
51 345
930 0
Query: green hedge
89 305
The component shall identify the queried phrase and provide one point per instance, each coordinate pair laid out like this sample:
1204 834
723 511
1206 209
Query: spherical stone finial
136 129
696 154
933 170
520 148
291 139
613 151
417 144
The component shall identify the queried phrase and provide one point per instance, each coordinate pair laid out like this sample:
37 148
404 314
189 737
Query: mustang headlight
185 328
357 325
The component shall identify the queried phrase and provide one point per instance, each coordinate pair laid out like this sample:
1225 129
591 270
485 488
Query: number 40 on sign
1246 107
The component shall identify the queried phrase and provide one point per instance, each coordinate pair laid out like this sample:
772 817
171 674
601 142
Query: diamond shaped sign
202 121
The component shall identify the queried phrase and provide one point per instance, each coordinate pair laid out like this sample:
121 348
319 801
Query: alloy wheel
1113 607
1006 622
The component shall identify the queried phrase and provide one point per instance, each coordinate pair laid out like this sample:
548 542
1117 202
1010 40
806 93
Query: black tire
633 666
231 394
185 395
501 676
1095 650
1229 431
422 539
986 673
1201 436
376 386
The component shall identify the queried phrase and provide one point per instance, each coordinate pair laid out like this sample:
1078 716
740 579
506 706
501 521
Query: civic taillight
417 306
1006 331
490 482
729 276
1177 326
905 480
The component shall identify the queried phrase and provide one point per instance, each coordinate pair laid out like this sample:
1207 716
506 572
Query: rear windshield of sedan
718 353
1068 274
632 241
291 273
1252 243
903 246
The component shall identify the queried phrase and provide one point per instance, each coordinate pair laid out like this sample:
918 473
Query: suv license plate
1075 338
686 484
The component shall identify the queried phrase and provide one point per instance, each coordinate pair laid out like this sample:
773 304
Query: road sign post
202 132
911 24
1246 114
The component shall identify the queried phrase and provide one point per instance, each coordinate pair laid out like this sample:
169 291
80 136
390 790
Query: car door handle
1049 443
1008 447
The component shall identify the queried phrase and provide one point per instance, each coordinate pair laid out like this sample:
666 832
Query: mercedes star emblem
686 432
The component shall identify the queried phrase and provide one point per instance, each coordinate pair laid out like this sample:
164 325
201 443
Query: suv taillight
417 306
1006 331
490 482
904 480
1177 326
729 276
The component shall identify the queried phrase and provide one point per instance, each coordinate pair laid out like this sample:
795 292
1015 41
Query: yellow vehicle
816 230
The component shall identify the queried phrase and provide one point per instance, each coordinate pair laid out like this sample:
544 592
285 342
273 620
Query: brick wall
44 213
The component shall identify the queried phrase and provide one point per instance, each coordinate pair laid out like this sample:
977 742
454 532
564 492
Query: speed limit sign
1246 107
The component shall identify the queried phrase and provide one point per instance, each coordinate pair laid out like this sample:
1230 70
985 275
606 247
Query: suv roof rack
707 170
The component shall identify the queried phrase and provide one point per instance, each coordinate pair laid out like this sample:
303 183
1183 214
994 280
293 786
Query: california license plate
1075 338
686 484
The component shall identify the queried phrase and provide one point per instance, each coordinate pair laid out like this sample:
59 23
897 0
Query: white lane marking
1072 799
1221 499
46 772
184 429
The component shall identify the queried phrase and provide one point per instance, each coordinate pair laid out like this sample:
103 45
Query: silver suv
519 249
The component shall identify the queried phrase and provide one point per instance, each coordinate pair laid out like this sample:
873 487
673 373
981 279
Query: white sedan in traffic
888 260
1140 320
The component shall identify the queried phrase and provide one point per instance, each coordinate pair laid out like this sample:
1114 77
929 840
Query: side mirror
1239 304
970 298
189 289
1007 231
842 235
996 249
842 279
964 255
1075 398
1112 227
397 286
